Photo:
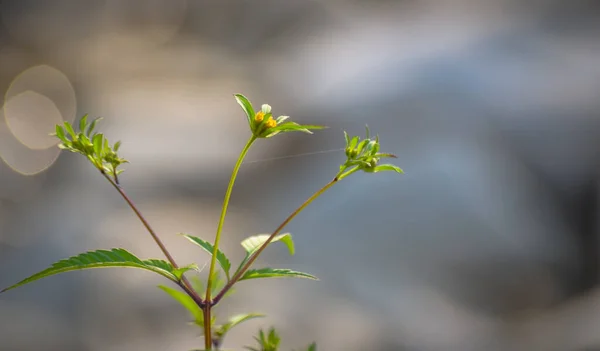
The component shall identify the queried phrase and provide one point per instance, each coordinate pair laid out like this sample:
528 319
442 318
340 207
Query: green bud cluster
92 145
364 155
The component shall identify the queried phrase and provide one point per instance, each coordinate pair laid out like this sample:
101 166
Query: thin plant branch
184 284
251 260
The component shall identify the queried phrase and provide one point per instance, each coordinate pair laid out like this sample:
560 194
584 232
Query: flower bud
348 152
370 145
266 109
259 117
270 123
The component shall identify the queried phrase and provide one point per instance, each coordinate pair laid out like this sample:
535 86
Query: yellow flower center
271 123
259 117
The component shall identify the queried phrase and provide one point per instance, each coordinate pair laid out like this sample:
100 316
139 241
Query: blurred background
488 242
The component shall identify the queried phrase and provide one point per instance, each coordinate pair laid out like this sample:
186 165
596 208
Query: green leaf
246 106
271 134
376 146
178 273
360 146
281 119
93 125
208 247
313 126
69 129
101 259
275 273
60 133
83 123
384 155
353 142
97 141
268 342
117 146
312 347
387 167
85 142
186 301
253 243
293 126
235 321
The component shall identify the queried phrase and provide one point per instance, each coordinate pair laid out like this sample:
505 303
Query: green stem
184 284
341 175
213 261
251 260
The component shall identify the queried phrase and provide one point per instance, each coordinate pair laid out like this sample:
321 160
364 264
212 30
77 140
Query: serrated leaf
83 123
246 106
235 321
208 247
101 259
275 273
186 301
